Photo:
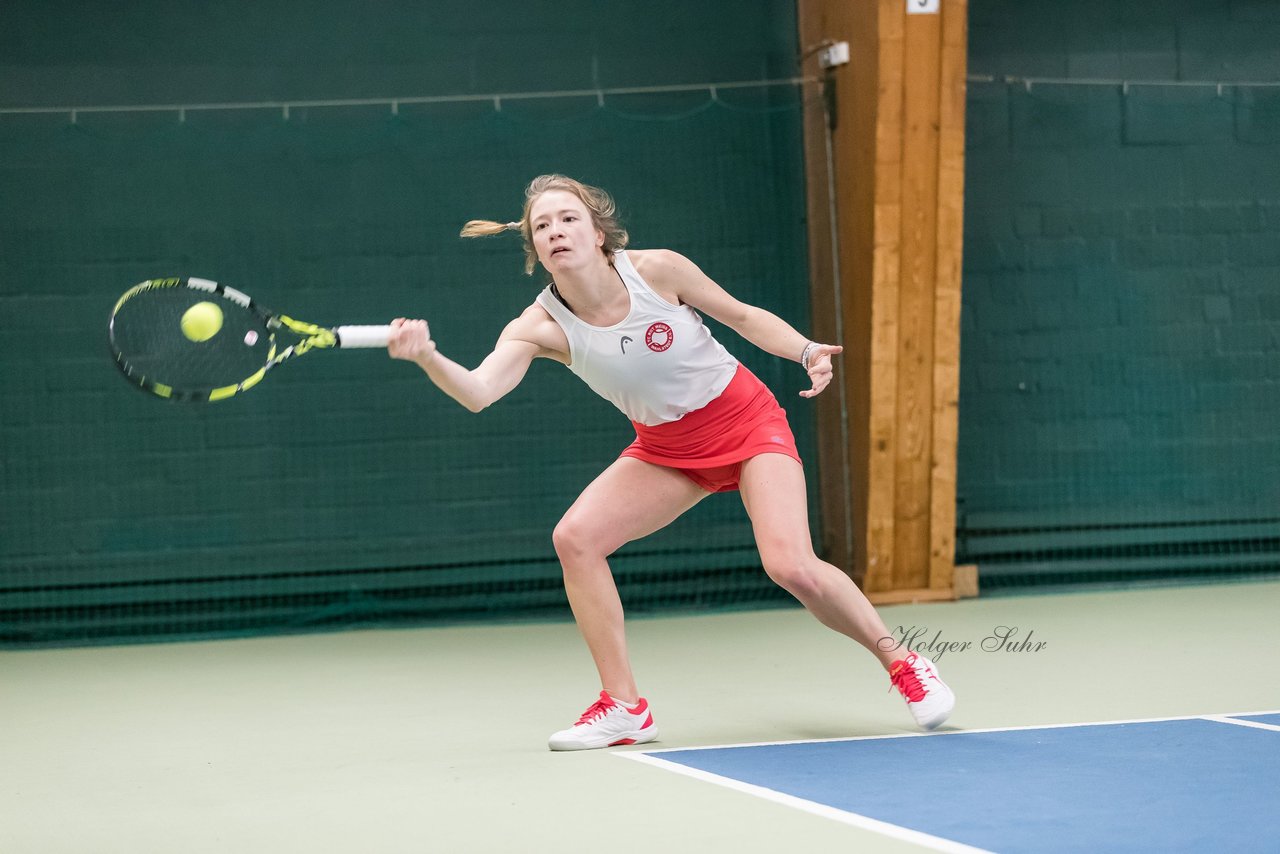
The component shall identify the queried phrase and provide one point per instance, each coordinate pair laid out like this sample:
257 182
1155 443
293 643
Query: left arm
676 276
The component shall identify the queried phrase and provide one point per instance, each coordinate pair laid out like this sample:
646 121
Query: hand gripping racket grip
363 336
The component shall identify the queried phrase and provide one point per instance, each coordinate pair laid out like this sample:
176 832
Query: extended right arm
499 373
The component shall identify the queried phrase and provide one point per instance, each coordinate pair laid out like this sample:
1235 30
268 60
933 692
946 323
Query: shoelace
597 710
904 678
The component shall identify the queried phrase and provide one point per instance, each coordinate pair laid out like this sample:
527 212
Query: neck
589 288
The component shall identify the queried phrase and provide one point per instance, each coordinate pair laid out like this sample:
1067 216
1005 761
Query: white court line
940 733
895 831
1223 719
650 757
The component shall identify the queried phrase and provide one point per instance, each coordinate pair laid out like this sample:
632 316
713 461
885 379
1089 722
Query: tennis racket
195 340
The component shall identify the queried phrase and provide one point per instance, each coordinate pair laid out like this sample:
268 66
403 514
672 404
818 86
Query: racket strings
150 347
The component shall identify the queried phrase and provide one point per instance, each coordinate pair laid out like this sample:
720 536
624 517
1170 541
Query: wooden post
886 228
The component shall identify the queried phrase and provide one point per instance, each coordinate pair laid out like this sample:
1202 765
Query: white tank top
657 364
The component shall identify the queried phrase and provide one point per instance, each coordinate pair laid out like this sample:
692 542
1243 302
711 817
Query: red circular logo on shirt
659 337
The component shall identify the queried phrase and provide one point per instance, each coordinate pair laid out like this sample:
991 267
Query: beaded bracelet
804 357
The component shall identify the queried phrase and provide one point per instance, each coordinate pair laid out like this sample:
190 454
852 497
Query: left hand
820 369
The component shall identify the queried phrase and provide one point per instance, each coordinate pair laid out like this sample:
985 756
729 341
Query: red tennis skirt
710 444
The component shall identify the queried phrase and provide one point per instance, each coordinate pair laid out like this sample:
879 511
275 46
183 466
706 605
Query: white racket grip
362 336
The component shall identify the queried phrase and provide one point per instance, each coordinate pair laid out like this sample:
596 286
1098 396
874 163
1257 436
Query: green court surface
434 739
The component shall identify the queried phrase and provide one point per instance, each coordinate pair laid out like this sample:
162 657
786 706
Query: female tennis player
627 323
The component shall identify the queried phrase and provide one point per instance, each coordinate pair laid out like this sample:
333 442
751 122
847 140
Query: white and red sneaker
928 697
607 723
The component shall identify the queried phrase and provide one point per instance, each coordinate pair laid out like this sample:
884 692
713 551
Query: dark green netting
1120 372
346 489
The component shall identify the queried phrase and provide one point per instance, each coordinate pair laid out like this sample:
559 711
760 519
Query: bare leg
629 500
773 492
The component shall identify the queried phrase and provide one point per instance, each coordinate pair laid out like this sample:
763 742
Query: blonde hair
604 216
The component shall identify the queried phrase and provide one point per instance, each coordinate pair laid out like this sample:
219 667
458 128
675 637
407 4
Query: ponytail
487 228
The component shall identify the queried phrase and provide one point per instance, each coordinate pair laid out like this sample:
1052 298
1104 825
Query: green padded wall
1121 337
346 489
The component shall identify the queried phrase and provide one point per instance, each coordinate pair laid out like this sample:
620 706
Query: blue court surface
1208 783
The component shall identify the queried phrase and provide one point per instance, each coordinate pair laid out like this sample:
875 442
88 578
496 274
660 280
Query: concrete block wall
1121 338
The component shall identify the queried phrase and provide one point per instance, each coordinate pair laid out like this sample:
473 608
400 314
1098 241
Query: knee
794 571
574 539
566 537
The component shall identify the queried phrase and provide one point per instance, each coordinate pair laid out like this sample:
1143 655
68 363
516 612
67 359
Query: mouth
558 250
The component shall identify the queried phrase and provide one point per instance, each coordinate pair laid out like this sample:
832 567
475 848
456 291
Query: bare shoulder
535 326
661 264
683 282
666 271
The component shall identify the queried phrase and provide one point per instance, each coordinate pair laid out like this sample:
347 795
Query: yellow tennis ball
202 321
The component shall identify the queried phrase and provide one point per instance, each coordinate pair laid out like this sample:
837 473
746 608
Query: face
564 234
